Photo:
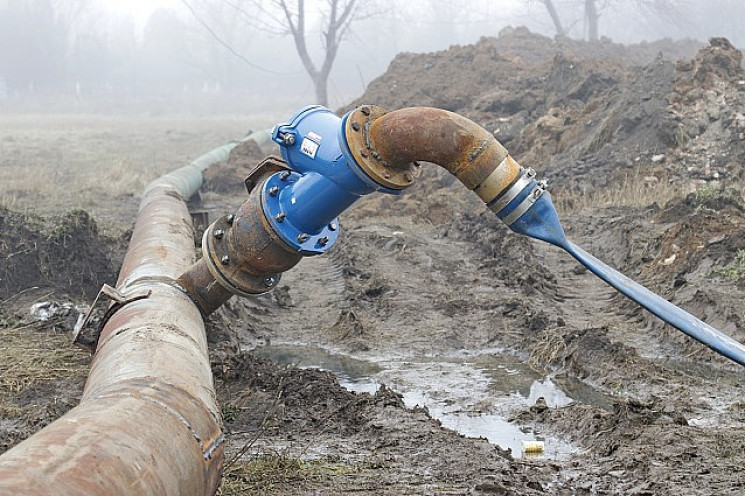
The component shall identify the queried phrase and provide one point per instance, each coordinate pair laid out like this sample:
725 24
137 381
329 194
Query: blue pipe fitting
303 205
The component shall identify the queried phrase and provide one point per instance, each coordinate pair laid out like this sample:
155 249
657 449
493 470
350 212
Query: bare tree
551 8
669 10
336 26
290 17
593 19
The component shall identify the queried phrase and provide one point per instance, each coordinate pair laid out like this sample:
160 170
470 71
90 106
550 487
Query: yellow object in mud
533 447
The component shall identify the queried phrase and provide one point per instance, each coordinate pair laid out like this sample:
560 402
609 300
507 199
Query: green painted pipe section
188 179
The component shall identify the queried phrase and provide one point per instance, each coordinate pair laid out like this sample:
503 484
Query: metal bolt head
365 110
324 241
302 237
386 174
364 154
219 233
408 177
230 218
273 191
270 281
333 226
284 175
280 217
356 126
225 260
288 139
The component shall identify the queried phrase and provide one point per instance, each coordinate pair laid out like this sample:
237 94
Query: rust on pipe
392 141
148 421
242 254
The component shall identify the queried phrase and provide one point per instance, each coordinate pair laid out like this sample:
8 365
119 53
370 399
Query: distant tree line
42 50
288 48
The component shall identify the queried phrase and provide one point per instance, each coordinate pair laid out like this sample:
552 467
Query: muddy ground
643 147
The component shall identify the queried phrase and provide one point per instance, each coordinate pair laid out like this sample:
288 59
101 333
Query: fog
208 57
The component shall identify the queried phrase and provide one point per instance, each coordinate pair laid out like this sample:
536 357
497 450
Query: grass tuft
269 473
735 270
633 191
29 357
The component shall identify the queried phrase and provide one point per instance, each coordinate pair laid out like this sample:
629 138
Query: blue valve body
303 206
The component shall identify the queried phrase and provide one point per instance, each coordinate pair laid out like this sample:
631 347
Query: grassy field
53 163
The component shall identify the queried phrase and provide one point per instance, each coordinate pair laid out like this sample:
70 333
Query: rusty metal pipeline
387 144
242 254
148 422
246 252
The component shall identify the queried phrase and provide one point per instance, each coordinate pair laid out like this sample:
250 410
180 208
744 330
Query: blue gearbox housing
303 204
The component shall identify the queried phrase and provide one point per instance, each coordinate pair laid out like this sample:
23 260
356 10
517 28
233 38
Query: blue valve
303 205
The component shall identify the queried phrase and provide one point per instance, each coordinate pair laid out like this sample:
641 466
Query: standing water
473 394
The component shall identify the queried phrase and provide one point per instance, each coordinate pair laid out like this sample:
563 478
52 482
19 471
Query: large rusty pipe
148 422
242 254
390 141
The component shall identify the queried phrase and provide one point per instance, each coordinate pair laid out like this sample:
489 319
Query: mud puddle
472 394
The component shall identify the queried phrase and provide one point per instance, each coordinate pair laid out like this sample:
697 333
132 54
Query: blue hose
541 221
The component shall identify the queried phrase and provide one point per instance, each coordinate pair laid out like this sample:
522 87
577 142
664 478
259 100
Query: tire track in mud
584 300
308 300
588 302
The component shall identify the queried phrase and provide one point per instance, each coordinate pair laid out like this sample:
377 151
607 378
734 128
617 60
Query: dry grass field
53 163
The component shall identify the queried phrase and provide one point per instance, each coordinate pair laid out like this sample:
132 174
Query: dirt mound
65 254
228 177
635 439
586 115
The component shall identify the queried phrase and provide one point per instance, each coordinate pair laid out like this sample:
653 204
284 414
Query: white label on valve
309 147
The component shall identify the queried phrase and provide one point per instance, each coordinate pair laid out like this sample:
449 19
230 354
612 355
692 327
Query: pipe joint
325 177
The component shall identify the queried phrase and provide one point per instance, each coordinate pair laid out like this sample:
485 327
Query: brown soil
228 177
432 272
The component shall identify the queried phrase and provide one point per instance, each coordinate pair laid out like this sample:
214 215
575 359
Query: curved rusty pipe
148 422
391 141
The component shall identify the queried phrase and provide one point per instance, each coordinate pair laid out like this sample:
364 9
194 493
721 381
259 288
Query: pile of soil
66 254
585 115
46 261
229 177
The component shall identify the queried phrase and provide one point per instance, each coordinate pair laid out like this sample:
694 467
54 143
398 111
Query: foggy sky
78 50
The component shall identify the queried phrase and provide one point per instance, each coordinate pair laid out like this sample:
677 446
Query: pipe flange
227 272
357 132
306 243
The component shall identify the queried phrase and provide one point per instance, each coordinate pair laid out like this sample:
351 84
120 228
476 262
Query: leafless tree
593 19
291 17
337 22
551 8
669 10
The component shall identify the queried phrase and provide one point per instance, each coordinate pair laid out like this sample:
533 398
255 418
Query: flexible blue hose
542 222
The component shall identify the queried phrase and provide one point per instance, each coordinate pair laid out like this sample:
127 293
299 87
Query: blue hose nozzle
531 212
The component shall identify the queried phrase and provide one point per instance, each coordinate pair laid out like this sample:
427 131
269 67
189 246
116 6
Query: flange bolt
302 237
280 217
273 191
219 233
225 260
230 218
